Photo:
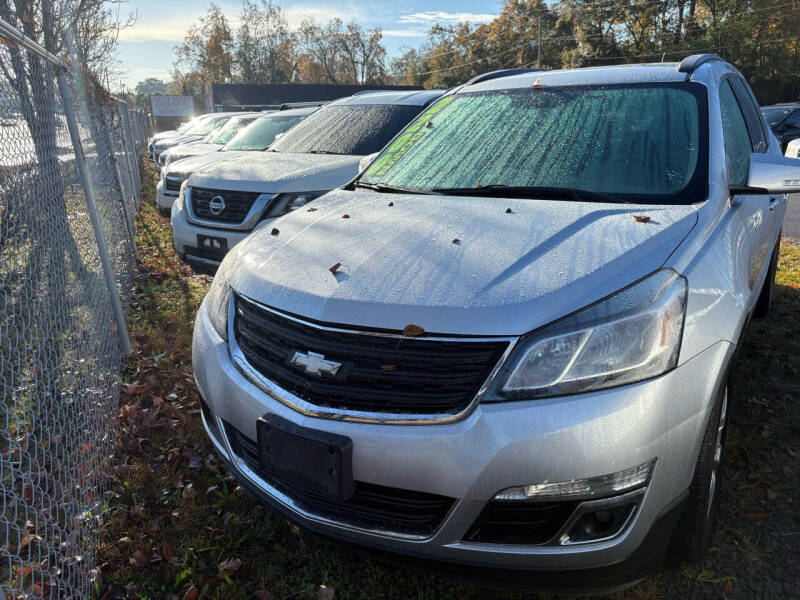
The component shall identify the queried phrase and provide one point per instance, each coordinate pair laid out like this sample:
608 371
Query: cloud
168 29
433 16
405 33
172 27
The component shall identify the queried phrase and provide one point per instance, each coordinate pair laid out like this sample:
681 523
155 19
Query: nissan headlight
285 203
217 301
632 335
181 196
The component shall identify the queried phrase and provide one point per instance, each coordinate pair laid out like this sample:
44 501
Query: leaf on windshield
412 330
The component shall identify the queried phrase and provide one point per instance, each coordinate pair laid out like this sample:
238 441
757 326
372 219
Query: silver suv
515 353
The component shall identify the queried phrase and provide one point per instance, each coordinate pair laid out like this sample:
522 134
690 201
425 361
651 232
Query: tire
764 303
695 528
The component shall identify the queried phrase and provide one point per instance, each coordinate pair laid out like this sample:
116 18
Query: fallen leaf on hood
641 218
509 211
312 209
456 241
275 231
391 203
412 330
345 216
335 268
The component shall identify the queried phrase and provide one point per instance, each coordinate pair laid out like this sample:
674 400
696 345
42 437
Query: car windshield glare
593 138
207 126
357 129
261 133
227 131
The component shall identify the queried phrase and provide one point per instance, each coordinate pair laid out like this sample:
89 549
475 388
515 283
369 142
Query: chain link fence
69 187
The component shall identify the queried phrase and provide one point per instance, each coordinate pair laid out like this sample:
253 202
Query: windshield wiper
525 191
390 189
322 152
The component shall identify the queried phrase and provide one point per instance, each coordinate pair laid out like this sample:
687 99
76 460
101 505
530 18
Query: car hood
452 265
193 163
274 172
191 149
177 139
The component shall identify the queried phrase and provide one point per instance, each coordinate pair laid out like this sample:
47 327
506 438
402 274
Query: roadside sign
171 106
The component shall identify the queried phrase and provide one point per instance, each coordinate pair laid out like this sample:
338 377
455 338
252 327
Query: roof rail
499 73
691 63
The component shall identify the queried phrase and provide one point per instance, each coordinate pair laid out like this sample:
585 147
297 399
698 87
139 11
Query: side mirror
367 160
771 174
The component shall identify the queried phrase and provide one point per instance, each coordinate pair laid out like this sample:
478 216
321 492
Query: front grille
520 522
173 184
378 374
237 204
375 507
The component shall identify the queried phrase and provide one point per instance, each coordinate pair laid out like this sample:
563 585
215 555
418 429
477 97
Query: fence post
132 152
80 159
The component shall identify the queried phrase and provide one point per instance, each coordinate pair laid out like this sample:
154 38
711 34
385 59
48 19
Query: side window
737 139
752 114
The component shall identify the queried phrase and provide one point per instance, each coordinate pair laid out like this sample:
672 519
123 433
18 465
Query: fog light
598 524
594 487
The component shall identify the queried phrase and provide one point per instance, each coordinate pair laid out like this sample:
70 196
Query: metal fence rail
69 187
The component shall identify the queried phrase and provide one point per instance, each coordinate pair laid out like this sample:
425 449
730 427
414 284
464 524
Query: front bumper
184 239
498 445
165 199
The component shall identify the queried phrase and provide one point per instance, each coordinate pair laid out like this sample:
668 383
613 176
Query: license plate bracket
317 461
212 246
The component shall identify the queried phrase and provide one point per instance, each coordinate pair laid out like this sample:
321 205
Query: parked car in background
212 142
793 148
515 355
191 134
784 120
255 137
220 204
178 130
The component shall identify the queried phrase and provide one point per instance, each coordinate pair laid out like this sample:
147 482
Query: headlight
285 203
632 335
180 201
217 304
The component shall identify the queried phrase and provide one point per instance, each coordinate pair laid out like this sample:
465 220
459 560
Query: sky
146 48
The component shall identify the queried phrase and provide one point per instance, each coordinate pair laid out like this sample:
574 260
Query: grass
178 526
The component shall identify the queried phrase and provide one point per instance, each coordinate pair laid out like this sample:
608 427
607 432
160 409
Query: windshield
227 131
207 125
261 133
594 138
358 129
775 115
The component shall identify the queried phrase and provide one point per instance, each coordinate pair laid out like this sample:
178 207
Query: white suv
514 358
221 204
255 137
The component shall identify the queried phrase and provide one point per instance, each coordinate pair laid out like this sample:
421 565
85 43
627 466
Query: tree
341 54
265 48
207 48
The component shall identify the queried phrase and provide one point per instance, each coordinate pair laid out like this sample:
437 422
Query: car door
758 130
750 232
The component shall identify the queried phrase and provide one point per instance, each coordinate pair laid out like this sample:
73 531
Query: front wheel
694 530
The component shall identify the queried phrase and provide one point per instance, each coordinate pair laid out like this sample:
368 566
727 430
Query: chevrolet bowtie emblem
315 364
